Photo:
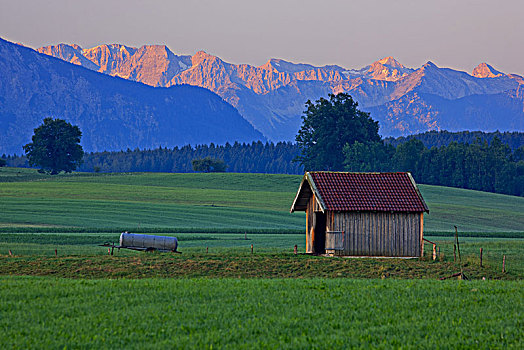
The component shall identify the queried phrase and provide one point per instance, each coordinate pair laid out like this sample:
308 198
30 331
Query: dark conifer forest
492 162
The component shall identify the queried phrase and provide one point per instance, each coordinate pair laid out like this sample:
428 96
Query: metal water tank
132 240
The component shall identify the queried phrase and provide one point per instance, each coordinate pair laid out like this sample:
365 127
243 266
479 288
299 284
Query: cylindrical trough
132 240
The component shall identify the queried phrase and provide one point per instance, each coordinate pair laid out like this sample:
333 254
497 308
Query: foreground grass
236 201
260 313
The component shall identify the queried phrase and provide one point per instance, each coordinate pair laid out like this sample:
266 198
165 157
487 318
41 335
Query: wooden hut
362 214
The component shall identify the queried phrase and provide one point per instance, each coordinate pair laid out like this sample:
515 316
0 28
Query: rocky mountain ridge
272 96
113 114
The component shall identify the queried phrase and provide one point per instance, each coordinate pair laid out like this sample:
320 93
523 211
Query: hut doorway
319 231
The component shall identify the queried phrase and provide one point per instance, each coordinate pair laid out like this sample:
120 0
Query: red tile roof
367 192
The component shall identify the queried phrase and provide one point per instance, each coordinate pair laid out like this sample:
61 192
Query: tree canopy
55 147
209 165
327 126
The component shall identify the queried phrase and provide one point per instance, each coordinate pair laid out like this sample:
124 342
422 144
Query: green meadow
235 313
59 289
211 201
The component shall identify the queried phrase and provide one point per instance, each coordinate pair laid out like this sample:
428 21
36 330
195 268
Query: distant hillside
272 97
220 201
113 113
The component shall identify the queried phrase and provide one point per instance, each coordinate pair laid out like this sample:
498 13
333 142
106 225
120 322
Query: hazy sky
352 33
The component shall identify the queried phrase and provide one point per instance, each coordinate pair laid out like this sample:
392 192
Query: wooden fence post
480 257
503 264
295 250
251 248
458 246
56 253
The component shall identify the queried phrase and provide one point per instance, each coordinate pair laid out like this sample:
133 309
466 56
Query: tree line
255 157
483 166
433 138
335 136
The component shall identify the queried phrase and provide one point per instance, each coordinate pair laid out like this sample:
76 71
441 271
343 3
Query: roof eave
315 191
292 210
426 209
307 177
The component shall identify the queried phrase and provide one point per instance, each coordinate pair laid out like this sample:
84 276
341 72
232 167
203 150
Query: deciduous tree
55 147
327 126
209 165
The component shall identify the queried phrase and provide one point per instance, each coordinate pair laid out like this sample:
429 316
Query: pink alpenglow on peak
271 97
484 70
390 61
388 69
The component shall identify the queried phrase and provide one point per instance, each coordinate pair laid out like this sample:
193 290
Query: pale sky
458 34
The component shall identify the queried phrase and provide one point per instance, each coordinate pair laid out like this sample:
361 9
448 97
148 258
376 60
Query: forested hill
256 157
491 167
443 138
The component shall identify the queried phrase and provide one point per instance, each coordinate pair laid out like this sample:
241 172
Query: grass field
217 294
79 256
210 201
260 313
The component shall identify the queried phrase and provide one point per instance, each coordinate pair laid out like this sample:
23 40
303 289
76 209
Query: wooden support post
112 248
245 235
458 246
295 250
480 257
251 249
503 264
462 276
434 255
454 252
207 249
56 253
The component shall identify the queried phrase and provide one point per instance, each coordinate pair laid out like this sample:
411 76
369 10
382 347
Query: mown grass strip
206 201
153 230
83 239
227 230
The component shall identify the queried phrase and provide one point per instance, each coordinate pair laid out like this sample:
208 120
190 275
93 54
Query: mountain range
113 113
271 97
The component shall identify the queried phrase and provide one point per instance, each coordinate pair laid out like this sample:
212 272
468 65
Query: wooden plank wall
312 206
378 234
